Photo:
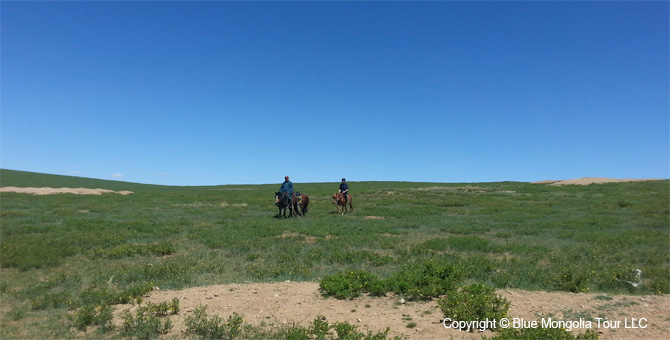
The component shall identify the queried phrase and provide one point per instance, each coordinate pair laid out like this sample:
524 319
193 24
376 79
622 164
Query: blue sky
206 93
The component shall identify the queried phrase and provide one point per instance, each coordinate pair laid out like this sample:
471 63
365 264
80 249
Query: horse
341 200
303 203
283 203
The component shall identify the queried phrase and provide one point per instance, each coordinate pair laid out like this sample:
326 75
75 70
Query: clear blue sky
204 93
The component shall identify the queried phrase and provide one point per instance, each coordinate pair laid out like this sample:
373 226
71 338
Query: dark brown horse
284 203
341 200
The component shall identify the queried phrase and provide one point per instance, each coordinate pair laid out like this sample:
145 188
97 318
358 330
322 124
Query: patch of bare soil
51 191
286 303
592 180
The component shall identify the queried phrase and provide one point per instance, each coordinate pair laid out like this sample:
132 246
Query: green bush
474 302
319 327
418 281
319 330
94 315
144 325
570 281
213 327
351 284
347 331
147 322
543 333
164 308
425 280
295 333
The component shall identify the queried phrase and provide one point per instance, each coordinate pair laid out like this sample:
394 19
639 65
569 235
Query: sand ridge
593 180
52 191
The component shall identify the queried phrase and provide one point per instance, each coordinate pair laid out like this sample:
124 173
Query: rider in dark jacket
287 187
344 189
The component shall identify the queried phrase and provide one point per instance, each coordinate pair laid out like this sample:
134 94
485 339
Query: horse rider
344 189
287 187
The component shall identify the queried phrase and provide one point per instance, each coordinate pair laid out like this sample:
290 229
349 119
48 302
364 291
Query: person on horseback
287 188
344 189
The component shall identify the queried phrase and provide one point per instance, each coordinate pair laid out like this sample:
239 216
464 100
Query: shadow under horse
341 201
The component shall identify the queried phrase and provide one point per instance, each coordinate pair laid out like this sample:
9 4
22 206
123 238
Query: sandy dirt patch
593 180
52 191
286 303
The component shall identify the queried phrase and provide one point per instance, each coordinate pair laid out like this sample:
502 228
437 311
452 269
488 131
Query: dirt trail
286 303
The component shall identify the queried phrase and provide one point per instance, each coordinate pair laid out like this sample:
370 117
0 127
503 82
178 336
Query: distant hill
16 178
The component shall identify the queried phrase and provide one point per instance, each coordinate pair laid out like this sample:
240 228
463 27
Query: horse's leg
296 210
286 208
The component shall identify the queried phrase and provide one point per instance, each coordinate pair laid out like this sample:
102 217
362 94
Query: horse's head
336 197
277 197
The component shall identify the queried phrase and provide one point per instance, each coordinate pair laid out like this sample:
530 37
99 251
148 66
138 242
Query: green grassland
65 254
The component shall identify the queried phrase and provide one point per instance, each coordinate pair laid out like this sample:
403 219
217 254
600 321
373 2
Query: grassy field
63 255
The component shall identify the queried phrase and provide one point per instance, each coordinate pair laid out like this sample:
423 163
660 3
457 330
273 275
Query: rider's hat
344 179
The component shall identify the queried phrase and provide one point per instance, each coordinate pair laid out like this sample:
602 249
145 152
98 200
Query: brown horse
303 203
341 200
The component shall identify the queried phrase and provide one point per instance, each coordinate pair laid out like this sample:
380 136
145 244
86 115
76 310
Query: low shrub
474 302
347 331
571 281
351 284
164 308
94 315
213 327
543 333
320 327
147 322
425 280
319 330
144 325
